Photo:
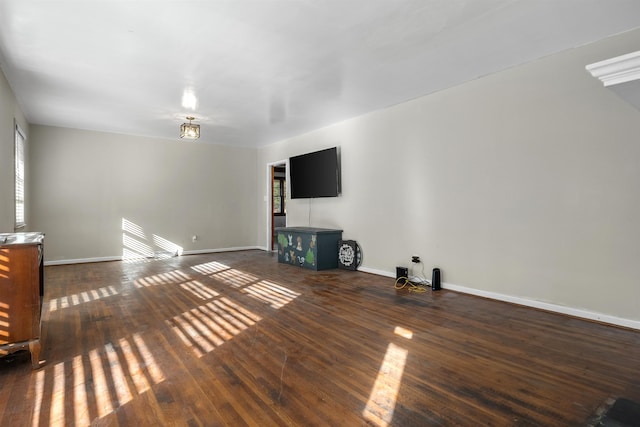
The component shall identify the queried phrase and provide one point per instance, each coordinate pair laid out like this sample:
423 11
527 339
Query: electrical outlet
415 259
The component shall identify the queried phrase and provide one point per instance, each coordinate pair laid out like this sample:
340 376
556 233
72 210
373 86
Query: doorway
278 199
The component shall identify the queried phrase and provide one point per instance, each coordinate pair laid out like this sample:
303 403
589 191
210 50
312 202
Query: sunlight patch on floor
231 276
81 407
81 298
199 290
208 326
275 295
99 383
210 268
384 395
403 332
175 276
236 278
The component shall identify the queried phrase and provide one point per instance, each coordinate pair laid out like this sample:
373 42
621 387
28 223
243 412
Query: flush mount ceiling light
189 130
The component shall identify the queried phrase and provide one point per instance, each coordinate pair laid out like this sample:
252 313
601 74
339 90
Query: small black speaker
435 279
402 272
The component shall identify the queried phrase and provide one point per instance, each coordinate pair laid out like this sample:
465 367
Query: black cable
422 279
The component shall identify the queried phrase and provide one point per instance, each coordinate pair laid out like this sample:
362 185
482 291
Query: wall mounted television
315 174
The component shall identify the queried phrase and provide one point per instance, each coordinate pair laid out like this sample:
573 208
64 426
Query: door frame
270 216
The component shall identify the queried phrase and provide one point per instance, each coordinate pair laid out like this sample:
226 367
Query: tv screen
315 174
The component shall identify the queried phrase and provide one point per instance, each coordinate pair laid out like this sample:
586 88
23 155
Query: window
19 178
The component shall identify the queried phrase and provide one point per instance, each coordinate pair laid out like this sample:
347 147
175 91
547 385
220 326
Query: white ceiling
255 72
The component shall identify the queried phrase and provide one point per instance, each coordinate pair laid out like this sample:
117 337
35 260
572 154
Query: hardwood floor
237 339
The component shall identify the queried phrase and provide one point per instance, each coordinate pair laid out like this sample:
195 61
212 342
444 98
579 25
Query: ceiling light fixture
189 130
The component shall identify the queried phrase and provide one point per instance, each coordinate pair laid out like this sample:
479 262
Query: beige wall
86 183
522 185
10 113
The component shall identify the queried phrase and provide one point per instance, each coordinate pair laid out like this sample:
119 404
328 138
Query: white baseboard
161 255
83 260
211 251
377 272
570 311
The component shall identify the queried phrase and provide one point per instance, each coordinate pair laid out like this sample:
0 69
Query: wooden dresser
21 293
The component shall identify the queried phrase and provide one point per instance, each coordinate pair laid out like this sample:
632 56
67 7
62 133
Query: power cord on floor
420 279
405 283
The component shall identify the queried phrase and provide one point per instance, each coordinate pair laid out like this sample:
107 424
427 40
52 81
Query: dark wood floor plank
236 339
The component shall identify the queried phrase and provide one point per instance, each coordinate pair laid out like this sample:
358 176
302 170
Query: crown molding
621 69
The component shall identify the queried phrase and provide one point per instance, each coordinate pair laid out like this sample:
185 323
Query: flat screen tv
315 174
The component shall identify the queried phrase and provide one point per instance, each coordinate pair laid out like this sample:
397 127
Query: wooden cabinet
308 247
21 292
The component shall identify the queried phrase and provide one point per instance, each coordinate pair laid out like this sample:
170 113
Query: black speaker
402 272
435 279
